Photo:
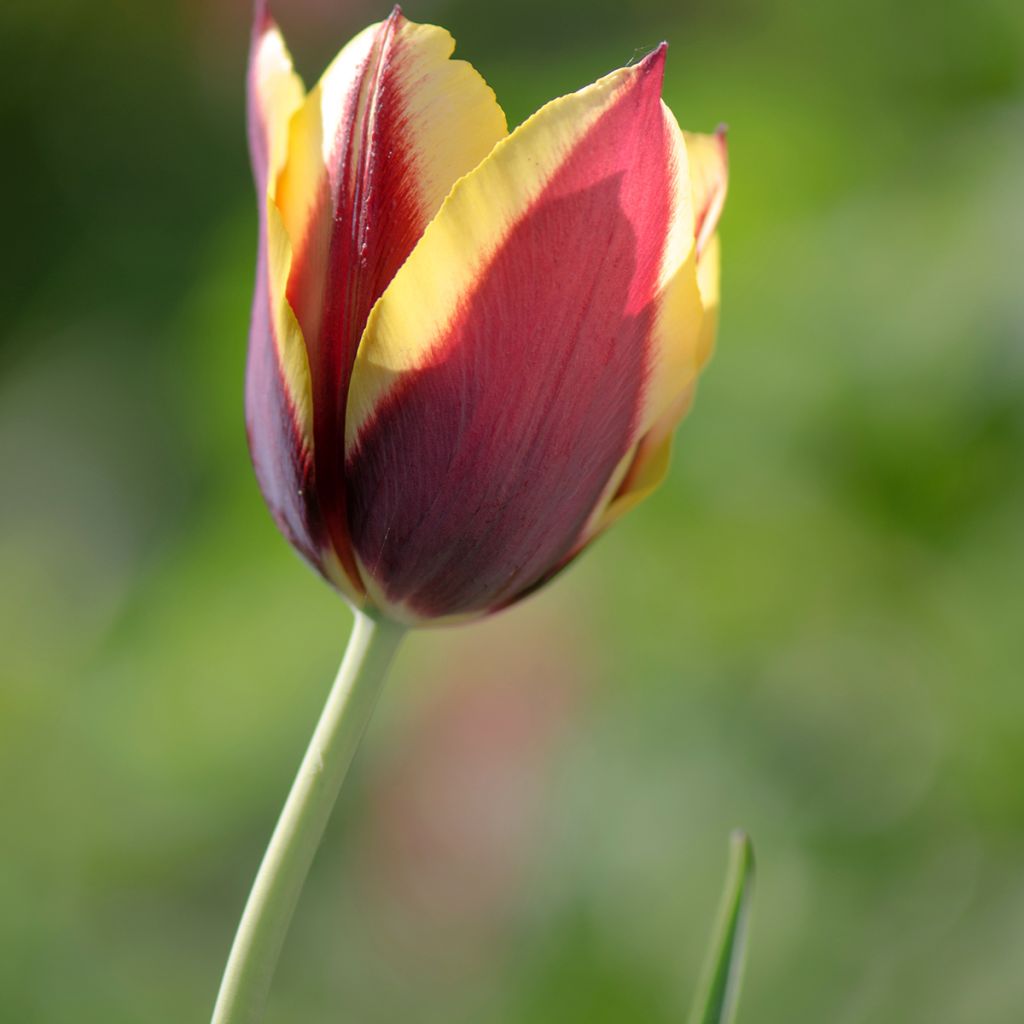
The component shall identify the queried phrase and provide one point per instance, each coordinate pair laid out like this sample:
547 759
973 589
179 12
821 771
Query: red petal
478 470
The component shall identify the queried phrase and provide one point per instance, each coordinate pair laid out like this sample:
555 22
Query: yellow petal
708 283
275 93
286 332
709 174
647 467
689 322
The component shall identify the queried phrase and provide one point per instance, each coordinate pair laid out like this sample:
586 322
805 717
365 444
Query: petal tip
262 19
722 137
652 67
656 57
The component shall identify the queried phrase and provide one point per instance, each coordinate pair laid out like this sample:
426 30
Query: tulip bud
469 349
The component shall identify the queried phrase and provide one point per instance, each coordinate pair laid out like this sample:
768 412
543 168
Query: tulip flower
469 348
469 351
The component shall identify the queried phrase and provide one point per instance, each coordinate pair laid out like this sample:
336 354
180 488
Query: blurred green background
815 630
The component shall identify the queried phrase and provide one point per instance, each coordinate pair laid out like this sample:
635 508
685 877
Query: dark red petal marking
367 225
477 474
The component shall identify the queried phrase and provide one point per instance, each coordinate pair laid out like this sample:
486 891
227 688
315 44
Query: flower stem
279 881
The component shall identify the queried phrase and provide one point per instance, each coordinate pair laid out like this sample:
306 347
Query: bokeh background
815 630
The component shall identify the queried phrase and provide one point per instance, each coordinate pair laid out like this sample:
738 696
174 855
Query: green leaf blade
721 977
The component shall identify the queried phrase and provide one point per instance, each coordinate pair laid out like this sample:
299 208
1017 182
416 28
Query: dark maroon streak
282 470
477 475
367 224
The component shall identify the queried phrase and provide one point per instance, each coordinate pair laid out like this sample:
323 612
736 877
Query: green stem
268 912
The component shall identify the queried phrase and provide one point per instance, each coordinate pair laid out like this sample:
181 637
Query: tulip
469 349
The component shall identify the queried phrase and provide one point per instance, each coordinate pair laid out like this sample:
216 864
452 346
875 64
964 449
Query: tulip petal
708 283
505 374
684 329
372 153
277 390
649 464
274 93
708 157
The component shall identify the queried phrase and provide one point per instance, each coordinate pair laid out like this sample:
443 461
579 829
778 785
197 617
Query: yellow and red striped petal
274 93
684 330
649 464
509 370
372 153
277 390
708 157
